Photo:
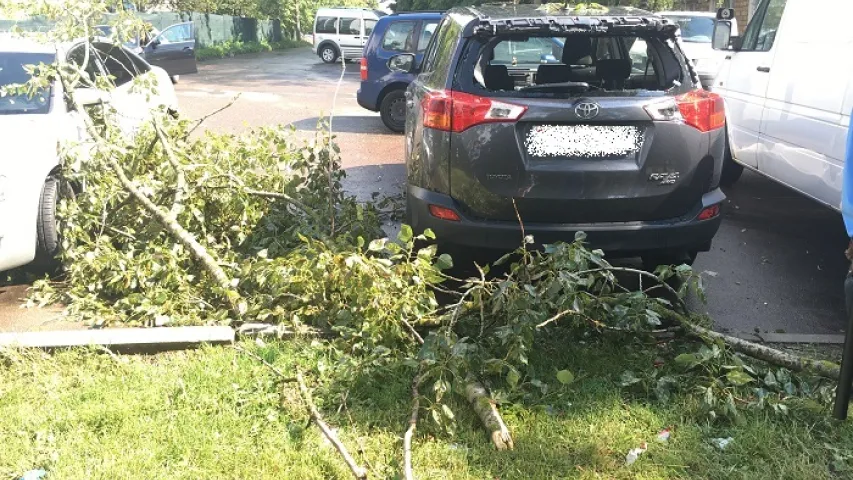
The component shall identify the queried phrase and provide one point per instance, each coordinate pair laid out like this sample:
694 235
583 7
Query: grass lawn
215 413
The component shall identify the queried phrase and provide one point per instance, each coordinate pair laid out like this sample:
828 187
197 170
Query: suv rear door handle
763 69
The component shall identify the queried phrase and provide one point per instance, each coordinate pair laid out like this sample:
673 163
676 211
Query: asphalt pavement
777 264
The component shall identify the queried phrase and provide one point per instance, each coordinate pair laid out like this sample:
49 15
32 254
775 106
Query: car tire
393 110
47 230
328 53
175 79
731 169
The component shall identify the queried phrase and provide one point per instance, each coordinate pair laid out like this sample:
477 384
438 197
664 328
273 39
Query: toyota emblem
587 110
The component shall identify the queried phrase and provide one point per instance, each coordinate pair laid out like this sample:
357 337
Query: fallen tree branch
218 110
357 471
773 356
181 179
410 432
641 274
279 196
281 376
487 410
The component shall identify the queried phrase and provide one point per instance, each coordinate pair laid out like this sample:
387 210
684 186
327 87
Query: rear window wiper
557 86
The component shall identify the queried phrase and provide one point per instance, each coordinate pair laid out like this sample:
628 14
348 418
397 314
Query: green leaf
628 378
565 377
687 360
444 262
512 377
428 233
738 377
406 234
448 413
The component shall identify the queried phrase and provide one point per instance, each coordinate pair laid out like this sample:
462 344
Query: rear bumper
685 233
366 98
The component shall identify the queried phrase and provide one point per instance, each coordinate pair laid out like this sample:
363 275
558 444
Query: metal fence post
842 391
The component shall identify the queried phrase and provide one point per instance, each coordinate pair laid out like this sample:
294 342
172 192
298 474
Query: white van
343 31
788 87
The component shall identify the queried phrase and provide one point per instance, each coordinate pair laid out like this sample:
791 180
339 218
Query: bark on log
487 410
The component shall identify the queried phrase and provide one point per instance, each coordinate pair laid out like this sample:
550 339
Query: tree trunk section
487 410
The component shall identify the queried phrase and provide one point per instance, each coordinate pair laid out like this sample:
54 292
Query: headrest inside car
496 77
577 50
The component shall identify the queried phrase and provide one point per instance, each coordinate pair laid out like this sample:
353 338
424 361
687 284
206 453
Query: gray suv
571 120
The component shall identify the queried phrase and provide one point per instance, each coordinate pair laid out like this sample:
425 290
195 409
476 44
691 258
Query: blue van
381 89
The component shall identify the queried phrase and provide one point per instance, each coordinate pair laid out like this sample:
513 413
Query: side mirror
722 36
90 96
154 43
403 62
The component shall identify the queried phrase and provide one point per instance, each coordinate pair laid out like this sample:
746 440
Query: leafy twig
211 114
181 179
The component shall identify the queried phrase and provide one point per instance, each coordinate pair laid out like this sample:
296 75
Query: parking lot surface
777 264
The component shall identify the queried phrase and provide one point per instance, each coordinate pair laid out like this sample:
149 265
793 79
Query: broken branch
487 410
770 355
410 432
181 180
357 471
202 119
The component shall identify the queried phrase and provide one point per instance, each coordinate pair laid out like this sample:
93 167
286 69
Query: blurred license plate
587 141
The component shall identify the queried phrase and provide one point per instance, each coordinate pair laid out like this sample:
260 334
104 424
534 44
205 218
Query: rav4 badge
668 178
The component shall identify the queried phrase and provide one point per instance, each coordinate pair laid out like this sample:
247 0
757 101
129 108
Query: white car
342 31
34 128
697 29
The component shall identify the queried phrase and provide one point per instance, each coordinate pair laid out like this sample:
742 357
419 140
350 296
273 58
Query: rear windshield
574 65
12 72
694 29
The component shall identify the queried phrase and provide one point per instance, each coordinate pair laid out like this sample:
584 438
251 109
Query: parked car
631 156
381 88
788 94
34 128
343 31
696 31
173 49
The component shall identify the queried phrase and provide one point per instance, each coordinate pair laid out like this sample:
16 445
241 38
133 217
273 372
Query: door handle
763 69
728 57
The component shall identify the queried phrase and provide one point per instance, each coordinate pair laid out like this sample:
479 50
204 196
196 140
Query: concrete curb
124 340
830 339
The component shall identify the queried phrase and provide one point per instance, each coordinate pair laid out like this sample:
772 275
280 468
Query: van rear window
325 25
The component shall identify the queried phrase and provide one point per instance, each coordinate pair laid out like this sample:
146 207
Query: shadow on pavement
348 124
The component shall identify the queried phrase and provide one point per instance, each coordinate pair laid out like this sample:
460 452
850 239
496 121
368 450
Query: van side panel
803 136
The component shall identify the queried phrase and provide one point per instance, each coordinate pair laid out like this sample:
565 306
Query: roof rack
408 12
569 24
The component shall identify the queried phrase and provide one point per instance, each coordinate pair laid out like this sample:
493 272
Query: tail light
457 111
363 69
709 213
702 110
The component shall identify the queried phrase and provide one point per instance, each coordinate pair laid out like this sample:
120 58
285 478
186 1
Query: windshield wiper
555 86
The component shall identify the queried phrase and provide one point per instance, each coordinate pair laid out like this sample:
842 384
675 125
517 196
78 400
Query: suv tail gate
532 137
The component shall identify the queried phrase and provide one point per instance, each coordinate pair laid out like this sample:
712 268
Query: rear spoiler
556 25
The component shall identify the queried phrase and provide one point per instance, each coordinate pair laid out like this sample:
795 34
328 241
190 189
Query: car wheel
731 169
329 54
393 110
175 79
47 230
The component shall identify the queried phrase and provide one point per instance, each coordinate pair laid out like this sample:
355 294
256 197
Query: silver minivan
342 31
